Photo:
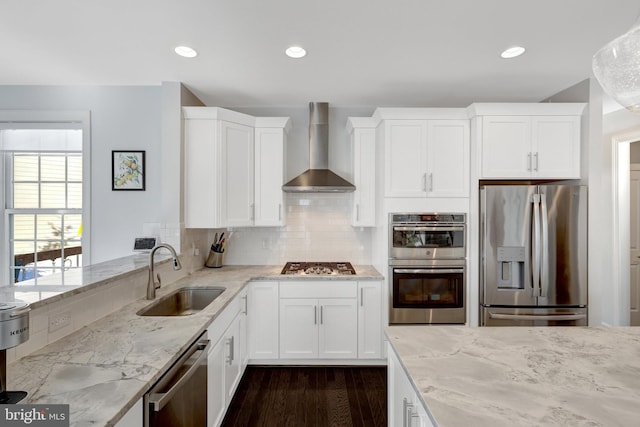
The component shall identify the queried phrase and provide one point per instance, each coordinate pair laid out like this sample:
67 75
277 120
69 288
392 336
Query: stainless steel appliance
14 330
179 398
427 236
427 268
319 268
533 255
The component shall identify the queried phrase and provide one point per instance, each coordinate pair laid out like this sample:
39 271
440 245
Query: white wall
127 118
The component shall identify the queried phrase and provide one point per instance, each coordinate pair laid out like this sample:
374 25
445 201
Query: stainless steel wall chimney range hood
318 178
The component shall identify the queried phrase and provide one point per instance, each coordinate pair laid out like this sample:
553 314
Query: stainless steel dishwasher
179 398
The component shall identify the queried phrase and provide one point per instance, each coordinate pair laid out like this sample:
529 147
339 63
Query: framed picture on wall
127 170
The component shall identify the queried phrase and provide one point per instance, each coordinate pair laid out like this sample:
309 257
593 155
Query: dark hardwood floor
310 396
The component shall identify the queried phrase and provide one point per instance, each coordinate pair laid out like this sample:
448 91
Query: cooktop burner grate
319 268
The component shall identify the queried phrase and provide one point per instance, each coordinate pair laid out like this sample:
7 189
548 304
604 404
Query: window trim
23 119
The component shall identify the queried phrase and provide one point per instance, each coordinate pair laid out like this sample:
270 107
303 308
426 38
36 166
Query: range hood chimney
318 178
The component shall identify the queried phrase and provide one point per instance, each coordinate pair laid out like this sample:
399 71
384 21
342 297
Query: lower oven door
430 294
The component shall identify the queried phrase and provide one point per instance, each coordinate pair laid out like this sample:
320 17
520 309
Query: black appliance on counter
14 330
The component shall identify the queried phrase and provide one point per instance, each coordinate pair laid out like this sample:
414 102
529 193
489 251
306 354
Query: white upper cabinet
233 168
238 169
448 158
427 153
269 172
363 145
405 158
202 175
529 141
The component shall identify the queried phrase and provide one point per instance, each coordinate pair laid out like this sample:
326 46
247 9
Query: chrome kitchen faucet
152 285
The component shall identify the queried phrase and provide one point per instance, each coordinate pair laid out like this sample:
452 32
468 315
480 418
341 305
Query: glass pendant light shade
617 68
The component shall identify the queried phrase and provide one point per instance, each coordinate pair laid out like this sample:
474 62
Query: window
44 190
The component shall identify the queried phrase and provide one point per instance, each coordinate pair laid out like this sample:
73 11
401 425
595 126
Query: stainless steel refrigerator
533 266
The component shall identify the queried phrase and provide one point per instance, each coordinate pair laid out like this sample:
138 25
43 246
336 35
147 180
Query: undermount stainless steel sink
182 302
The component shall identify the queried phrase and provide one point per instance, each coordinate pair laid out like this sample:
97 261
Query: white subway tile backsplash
318 228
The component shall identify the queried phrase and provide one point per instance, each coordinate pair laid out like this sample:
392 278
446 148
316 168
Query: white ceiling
360 52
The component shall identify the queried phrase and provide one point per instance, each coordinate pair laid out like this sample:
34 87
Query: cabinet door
364 169
448 158
298 328
506 147
262 316
215 384
370 320
243 340
405 158
202 183
269 177
338 331
237 171
233 358
556 146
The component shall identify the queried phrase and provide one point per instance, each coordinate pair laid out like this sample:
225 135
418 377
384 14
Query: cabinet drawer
319 289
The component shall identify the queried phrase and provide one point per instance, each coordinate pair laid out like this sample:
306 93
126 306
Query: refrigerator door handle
571 316
535 255
544 264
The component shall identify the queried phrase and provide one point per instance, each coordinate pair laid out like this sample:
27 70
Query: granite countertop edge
551 376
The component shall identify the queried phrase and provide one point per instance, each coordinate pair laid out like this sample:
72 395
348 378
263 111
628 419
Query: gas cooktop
319 268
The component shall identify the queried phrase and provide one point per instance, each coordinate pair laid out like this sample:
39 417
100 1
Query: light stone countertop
50 290
104 368
513 376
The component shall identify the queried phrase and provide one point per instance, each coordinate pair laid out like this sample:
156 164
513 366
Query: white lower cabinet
318 328
370 325
227 359
338 329
215 384
405 407
262 320
233 358
318 320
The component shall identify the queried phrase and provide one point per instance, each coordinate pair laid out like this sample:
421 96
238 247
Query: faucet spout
152 285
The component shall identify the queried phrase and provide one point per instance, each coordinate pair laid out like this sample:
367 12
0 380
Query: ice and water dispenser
511 267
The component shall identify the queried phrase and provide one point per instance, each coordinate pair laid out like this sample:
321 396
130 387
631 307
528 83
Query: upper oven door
427 241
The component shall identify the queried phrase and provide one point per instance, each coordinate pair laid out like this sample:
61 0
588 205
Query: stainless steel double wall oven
427 268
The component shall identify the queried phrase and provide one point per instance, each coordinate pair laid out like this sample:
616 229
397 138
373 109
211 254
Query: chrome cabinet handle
230 357
253 211
535 161
431 183
406 412
357 211
321 315
424 182
529 161
361 297
279 211
315 314
246 304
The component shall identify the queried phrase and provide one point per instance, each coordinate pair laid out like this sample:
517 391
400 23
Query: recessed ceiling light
295 52
185 51
512 52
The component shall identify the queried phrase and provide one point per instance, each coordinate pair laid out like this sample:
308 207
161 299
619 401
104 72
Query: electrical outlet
59 321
